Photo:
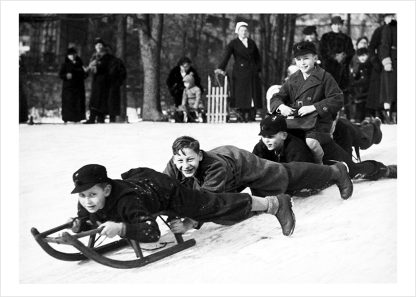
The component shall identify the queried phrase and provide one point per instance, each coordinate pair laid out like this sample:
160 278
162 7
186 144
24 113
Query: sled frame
97 253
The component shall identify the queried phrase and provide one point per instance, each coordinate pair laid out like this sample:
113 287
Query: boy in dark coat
279 145
311 90
230 169
128 207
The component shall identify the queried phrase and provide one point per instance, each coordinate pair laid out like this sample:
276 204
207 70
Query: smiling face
93 199
306 63
274 142
187 161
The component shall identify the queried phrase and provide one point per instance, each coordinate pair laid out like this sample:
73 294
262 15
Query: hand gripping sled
96 253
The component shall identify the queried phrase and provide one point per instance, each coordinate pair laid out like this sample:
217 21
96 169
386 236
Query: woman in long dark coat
73 90
245 79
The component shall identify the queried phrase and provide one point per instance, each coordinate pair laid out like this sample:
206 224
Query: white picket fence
217 102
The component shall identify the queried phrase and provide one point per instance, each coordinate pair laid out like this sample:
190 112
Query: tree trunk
150 34
121 53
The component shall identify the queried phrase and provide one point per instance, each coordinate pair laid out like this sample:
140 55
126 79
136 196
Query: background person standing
245 79
73 90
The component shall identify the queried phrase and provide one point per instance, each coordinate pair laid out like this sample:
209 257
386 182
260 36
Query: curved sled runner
96 253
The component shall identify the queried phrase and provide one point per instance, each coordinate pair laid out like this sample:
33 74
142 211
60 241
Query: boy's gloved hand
286 110
219 71
112 229
179 226
76 224
306 109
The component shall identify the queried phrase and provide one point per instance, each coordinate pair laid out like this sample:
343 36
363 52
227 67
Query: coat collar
313 80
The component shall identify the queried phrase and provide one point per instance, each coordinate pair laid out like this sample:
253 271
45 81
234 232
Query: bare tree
121 53
150 35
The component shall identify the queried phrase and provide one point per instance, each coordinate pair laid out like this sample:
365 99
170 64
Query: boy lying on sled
129 207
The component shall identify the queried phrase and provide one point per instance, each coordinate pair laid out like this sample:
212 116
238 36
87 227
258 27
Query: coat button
242 65
309 98
325 108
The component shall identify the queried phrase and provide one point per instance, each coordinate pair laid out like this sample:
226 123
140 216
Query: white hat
239 24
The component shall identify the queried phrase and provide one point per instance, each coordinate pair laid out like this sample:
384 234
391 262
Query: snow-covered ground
335 241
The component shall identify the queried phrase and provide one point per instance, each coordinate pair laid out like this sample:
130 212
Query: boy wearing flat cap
311 90
278 144
129 207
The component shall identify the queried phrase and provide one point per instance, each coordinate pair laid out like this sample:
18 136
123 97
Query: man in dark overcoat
388 57
245 79
100 87
336 51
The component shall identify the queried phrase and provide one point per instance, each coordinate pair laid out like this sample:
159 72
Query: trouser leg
222 208
308 176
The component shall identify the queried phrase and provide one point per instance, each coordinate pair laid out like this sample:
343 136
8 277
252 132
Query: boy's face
362 43
274 142
363 58
187 161
306 63
93 199
72 57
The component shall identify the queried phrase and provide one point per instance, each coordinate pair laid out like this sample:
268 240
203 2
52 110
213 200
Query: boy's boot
281 207
342 179
378 135
391 171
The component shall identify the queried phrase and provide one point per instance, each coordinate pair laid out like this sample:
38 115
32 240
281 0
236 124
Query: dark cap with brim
272 125
337 20
88 176
303 48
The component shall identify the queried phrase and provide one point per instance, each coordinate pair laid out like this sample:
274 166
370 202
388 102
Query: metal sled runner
96 253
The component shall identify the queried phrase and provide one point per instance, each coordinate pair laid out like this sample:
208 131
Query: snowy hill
335 241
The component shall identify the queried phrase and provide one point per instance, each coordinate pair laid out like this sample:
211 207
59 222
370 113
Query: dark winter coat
294 149
230 169
73 90
144 193
374 93
332 43
388 51
117 75
245 79
320 89
360 83
100 86
175 83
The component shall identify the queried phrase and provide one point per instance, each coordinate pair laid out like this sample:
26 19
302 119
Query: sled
96 253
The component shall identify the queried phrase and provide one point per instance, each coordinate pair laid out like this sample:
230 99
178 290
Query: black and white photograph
207 148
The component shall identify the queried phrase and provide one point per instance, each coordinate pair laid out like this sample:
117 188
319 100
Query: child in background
361 84
191 101
312 89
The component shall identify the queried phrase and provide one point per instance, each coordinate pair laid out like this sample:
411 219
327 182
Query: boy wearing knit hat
191 100
310 91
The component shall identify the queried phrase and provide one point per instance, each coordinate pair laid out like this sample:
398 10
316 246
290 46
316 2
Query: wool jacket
319 89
